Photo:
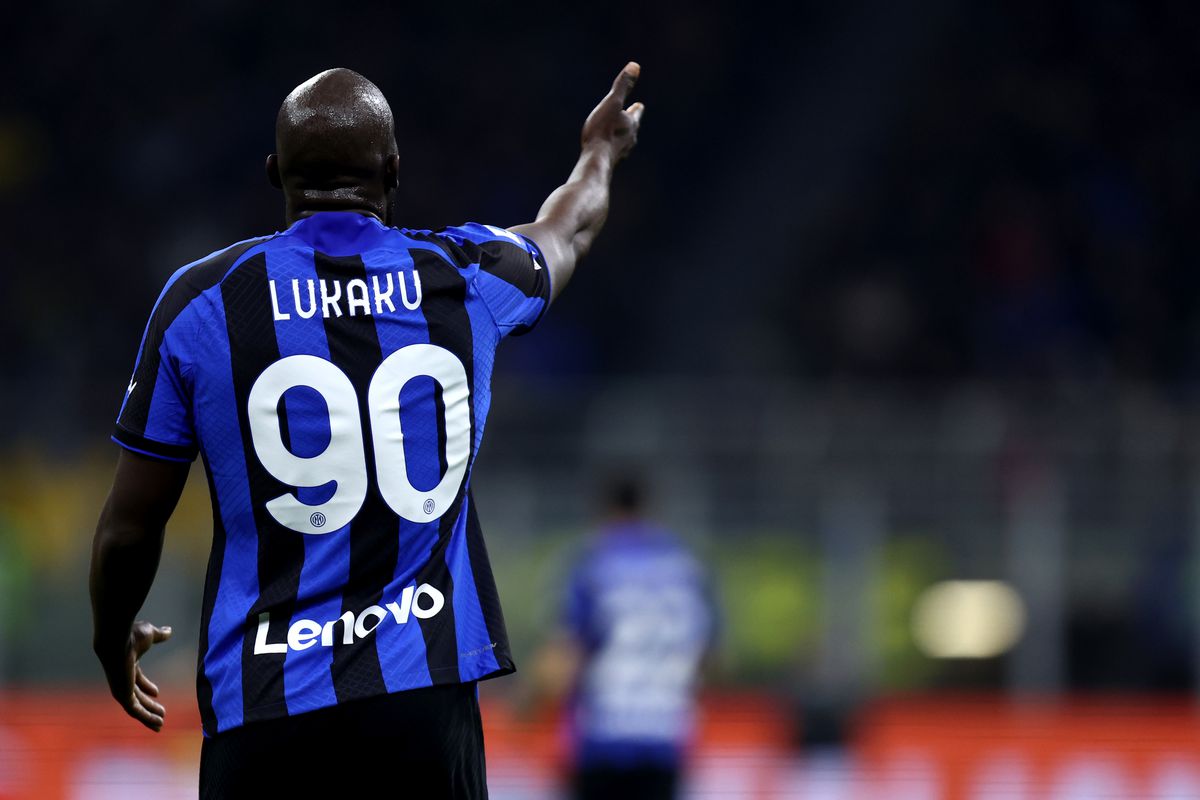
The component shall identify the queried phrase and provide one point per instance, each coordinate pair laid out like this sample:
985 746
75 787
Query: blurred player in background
639 619
335 379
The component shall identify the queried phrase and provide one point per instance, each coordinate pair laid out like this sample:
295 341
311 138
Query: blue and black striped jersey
335 379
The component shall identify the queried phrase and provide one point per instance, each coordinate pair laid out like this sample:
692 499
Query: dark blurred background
889 296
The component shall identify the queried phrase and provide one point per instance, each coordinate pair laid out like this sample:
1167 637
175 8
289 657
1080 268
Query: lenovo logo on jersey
304 633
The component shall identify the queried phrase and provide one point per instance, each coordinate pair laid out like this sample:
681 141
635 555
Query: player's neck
299 208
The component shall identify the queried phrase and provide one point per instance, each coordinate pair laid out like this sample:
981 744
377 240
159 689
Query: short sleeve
156 415
512 279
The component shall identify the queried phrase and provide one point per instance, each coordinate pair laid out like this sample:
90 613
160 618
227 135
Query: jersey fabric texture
335 380
641 606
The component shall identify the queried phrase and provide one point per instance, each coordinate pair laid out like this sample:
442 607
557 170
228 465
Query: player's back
335 379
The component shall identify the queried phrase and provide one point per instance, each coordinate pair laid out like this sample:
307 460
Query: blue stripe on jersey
307 680
238 585
168 421
401 648
485 338
507 301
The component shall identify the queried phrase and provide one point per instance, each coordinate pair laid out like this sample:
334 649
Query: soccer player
639 619
334 378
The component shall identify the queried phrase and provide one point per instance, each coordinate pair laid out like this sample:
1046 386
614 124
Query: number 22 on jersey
344 461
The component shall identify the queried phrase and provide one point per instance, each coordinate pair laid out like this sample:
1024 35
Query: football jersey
335 380
640 605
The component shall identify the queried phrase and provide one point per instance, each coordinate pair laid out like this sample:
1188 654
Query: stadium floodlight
968 619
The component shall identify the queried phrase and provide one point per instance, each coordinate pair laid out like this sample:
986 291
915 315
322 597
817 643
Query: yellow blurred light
968 619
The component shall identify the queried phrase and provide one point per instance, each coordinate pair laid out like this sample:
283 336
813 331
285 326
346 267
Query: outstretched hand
611 125
136 693
574 213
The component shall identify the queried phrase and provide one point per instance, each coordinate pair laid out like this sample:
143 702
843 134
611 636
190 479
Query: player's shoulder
469 233
464 244
196 277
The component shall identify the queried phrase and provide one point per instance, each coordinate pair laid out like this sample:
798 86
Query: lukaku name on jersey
358 297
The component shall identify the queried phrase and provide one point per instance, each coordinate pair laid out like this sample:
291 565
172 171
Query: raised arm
574 213
125 554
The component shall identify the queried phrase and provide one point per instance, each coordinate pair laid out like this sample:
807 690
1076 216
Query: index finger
626 78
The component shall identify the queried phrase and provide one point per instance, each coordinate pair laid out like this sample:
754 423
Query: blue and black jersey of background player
334 378
642 608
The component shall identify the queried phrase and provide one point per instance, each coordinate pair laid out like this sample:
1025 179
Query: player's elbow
111 529
118 532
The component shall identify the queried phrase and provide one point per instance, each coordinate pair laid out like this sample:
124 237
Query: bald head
336 146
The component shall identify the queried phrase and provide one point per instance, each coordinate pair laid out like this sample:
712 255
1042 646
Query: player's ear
391 172
273 171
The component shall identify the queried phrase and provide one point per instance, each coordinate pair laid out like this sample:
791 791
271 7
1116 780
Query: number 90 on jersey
344 461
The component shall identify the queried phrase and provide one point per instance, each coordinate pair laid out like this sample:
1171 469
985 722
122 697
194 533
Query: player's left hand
130 687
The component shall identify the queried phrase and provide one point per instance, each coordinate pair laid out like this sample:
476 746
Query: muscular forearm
580 205
128 544
125 559
125 555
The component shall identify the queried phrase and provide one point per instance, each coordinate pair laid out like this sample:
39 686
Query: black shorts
641 782
423 743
